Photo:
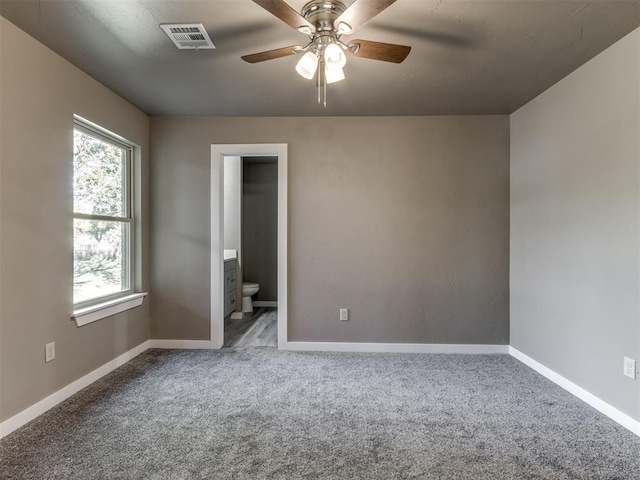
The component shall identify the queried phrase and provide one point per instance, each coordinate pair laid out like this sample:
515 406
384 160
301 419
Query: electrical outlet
49 352
344 314
629 368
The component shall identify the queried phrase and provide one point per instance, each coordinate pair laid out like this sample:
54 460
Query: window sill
84 316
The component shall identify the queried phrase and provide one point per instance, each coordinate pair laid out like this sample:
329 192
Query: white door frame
218 152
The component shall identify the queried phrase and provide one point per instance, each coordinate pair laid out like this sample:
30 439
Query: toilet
248 290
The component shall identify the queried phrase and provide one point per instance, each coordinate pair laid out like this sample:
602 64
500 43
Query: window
103 216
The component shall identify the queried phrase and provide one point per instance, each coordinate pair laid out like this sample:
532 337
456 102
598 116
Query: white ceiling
468 57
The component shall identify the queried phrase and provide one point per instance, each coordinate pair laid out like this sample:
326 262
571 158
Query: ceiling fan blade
271 54
360 12
284 12
387 52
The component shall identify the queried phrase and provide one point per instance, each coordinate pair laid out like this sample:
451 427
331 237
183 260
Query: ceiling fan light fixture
334 57
333 75
307 65
325 56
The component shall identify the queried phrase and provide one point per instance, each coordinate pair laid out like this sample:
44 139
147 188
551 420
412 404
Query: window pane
101 259
99 170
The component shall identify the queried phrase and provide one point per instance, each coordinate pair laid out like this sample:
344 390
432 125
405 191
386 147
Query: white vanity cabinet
229 287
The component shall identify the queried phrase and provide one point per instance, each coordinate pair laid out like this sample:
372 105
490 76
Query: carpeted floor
258 413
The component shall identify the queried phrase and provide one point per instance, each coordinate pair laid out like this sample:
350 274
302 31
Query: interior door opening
249 245
250 251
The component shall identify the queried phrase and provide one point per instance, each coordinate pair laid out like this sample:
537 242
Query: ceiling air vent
188 36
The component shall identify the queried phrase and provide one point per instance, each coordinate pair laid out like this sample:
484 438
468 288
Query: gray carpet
257 413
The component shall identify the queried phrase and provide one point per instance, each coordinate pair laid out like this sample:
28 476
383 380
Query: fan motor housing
323 13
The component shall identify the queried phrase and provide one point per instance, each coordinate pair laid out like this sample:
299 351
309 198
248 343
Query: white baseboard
182 344
237 316
393 347
597 403
61 395
265 303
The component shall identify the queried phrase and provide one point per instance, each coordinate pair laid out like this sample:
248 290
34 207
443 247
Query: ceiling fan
325 22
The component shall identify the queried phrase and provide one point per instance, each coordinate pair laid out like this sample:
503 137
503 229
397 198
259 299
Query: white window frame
100 307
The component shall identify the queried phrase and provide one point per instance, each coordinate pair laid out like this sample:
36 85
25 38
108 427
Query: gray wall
260 226
575 225
233 217
404 220
39 93
232 203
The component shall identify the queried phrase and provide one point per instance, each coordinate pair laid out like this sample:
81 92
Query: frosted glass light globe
307 65
334 57
333 75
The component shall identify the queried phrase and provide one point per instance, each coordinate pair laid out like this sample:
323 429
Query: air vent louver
190 36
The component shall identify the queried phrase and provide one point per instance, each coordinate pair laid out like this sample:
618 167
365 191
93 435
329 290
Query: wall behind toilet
260 225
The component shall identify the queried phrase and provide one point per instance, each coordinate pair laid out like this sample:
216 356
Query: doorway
251 253
274 309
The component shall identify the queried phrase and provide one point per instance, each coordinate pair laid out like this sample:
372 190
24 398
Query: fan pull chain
324 87
318 86
322 84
